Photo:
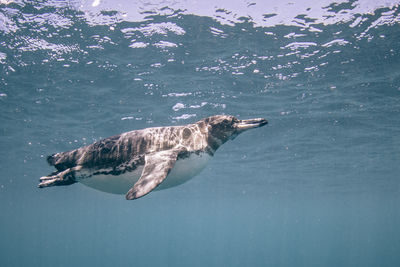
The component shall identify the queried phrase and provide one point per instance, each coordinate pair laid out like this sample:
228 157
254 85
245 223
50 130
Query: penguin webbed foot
57 178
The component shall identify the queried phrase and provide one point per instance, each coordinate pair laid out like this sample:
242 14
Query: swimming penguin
136 162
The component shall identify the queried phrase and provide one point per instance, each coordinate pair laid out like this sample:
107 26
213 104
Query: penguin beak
244 125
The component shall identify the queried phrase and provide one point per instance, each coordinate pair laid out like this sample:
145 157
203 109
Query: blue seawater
318 186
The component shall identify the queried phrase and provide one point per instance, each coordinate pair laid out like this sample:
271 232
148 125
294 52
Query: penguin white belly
115 184
183 170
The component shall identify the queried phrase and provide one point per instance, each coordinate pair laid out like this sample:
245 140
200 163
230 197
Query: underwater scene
319 185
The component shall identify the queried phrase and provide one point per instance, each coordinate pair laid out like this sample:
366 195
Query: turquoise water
318 186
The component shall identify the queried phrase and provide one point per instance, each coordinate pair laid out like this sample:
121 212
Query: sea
318 186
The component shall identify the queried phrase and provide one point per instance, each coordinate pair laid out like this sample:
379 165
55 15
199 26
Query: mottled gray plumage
154 150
